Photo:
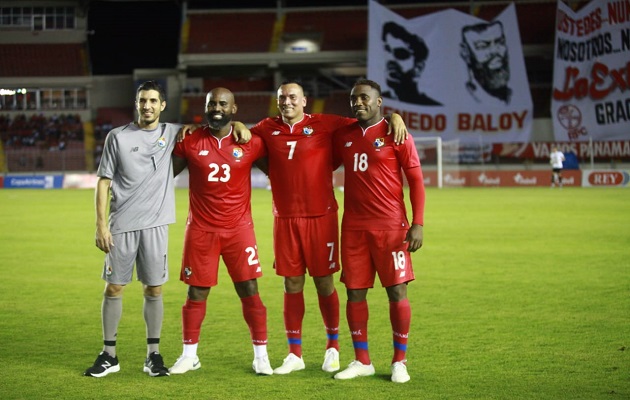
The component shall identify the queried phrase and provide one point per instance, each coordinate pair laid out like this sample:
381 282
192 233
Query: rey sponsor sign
605 178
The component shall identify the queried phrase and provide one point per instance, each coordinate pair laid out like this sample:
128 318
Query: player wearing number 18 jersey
376 237
220 224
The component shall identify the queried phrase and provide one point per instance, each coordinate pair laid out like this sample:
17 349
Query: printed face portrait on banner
452 74
485 52
406 55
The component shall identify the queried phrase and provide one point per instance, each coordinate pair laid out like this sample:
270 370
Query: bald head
220 107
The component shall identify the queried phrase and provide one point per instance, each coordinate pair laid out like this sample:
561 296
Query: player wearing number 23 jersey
220 196
220 179
219 224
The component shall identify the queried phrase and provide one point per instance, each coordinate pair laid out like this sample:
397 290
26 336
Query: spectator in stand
39 130
376 236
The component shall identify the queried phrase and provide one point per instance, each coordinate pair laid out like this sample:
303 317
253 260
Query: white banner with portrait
451 74
591 77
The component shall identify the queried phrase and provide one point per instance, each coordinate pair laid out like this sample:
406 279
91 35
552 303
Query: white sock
260 351
190 350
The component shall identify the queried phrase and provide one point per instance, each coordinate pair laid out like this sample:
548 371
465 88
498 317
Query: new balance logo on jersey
204 152
348 144
275 133
134 149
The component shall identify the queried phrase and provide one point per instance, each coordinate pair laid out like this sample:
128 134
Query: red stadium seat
43 60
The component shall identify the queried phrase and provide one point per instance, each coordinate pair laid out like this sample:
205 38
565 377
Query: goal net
439 158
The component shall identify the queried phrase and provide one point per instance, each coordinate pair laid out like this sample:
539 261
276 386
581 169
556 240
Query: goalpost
434 153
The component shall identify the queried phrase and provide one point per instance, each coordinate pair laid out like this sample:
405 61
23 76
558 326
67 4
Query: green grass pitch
521 293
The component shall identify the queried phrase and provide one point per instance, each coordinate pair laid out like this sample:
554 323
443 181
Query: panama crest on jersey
308 130
162 142
237 152
379 142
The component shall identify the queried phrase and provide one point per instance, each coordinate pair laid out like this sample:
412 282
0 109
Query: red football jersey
373 177
219 179
300 163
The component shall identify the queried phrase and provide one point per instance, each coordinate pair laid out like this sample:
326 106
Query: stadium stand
108 117
40 143
210 32
207 29
247 84
49 133
338 102
27 60
343 29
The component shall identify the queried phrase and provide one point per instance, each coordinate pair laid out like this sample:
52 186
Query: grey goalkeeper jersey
139 164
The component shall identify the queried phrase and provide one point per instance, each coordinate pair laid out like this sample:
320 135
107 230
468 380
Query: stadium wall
451 179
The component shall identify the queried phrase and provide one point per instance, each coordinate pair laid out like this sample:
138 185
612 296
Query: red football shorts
367 253
200 263
306 244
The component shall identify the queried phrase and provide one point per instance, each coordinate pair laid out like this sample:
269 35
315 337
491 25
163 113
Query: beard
145 121
217 124
492 79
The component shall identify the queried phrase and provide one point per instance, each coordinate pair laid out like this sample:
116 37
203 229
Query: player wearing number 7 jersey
306 232
376 237
220 224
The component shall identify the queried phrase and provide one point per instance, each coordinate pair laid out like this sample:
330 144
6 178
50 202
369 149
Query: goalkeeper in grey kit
136 170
